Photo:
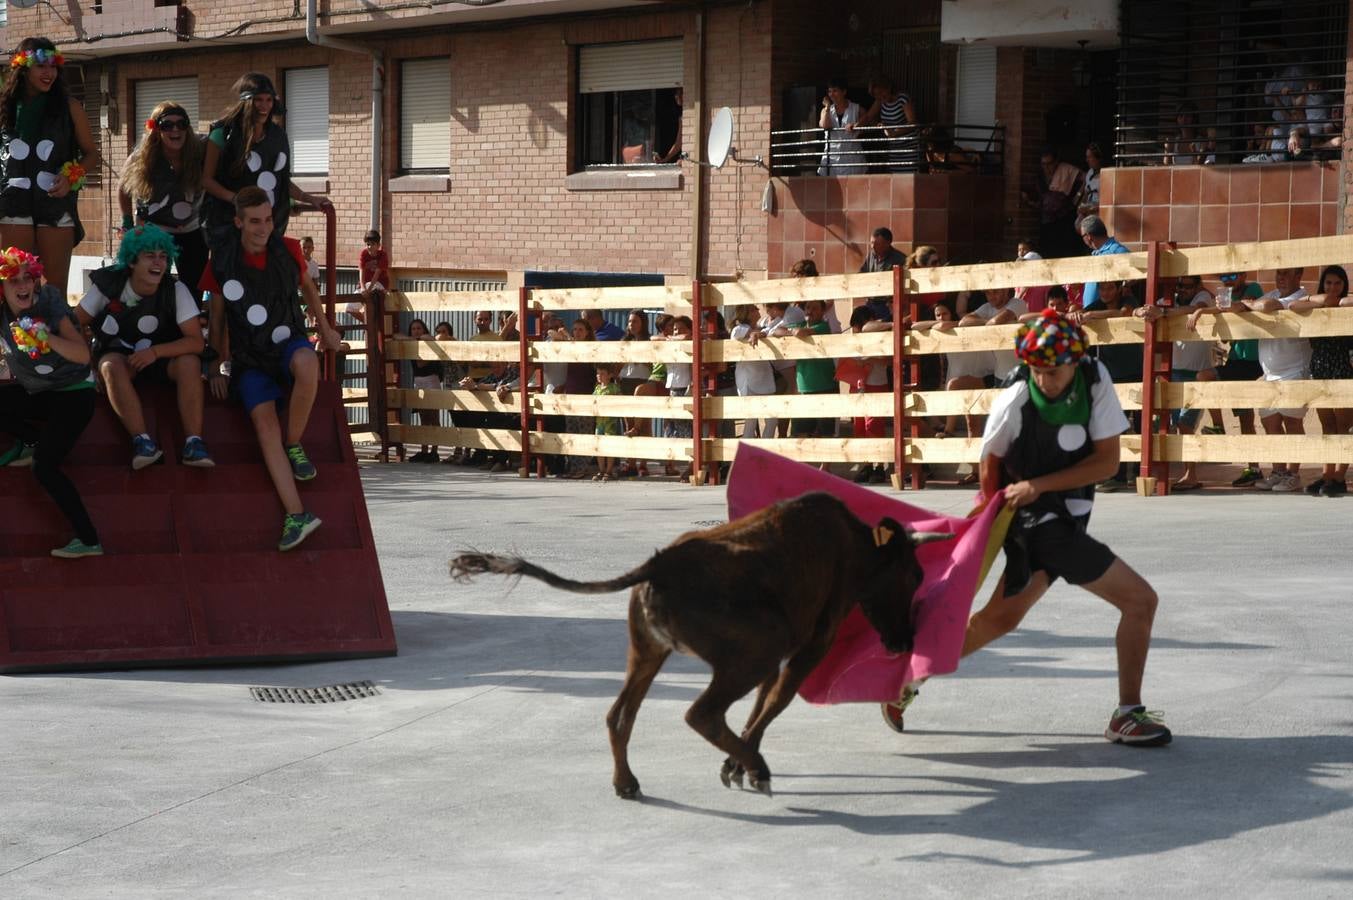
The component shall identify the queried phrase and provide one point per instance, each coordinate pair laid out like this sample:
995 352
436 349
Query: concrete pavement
482 768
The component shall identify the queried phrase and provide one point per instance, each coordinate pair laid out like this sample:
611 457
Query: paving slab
482 767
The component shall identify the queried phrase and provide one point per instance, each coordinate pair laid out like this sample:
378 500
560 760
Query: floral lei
75 174
31 336
38 57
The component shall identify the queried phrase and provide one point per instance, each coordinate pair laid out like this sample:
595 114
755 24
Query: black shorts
1060 547
155 373
1240 370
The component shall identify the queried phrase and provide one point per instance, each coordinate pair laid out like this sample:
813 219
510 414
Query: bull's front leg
732 771
781 692
708 713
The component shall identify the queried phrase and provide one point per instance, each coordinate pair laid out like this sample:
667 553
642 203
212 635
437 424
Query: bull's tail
467 565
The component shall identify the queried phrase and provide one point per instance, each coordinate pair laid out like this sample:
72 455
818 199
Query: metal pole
899 383
697 389
524 381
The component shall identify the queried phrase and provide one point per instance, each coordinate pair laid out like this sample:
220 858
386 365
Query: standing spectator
38 209
1035 297
1283 359
1000 308
1242 364
427 376
754 377
892 110
1332 359
869 376
247 147
1055 191
633 377
308 251
51 400
604 331
1087 202
882 257
965 370
163 180
579 381
373 273
1096 237
606 425
1123 361
813 376
839 117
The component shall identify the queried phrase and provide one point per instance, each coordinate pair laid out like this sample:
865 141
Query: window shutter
151 92
307 103
425 114
976 86
644 65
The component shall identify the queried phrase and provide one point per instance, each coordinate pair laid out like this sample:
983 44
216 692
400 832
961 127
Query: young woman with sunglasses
46 148
163 180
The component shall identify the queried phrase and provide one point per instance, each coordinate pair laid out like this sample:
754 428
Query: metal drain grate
329 693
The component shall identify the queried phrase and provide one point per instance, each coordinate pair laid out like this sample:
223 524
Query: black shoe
420 456
862 476
1334 489
1315 487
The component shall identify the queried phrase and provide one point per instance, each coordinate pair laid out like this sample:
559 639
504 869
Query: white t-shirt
753 377
555 373
1002 360
1193 356
1285 359
185 307
313 268
1006 422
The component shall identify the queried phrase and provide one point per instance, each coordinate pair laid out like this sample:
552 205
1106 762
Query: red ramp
192 573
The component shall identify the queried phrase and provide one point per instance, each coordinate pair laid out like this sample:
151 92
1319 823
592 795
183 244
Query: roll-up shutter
643 65
150 92
425 115
976 103
307 104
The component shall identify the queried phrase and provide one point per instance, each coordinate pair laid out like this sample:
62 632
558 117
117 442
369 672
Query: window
151 92
307 103
629 103
976 104
4 13
425 116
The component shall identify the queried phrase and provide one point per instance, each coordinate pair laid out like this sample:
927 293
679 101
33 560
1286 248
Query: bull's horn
925 537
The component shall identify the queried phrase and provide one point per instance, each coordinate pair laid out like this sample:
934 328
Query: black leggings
54 421
192 260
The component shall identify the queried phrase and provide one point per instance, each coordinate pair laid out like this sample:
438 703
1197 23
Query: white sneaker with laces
1268 481
1287 483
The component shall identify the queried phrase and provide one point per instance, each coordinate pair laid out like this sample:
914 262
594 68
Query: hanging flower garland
31 336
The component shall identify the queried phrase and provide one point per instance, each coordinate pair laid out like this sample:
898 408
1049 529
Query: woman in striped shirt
893 110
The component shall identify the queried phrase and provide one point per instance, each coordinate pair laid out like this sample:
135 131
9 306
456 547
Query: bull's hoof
628 791
730 772
761 784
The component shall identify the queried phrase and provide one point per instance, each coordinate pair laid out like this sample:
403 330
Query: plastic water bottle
1224 297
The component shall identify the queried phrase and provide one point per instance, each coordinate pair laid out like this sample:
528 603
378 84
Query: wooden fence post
524 381
901 372
696 390
1154 476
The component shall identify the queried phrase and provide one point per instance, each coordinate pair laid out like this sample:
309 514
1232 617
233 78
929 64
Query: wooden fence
907 449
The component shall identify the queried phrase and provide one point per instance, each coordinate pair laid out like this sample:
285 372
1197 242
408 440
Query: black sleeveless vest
169 206
262 309
268 166
30 171
122 328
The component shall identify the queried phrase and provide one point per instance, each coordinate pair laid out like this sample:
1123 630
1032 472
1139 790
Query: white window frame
306 93
425 116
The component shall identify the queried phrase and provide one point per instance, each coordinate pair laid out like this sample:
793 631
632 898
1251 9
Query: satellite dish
720 138
23 4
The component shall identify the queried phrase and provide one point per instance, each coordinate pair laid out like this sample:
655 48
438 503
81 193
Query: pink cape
857 669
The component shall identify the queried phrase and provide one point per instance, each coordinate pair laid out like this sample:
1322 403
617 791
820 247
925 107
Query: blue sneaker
78 549
195 453
20 454
145 452
296 528
301 467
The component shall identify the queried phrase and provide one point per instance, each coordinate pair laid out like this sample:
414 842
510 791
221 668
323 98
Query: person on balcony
840 116
893 111
1055 190
1087 201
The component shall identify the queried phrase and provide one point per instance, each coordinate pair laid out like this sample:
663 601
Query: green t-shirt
28 118
816 376
1248 349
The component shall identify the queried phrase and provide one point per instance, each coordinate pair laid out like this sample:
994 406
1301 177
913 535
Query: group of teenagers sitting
138 324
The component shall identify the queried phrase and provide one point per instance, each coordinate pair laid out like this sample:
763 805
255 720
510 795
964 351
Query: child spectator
1242 364
812 376
373 266
753 377
427 375
1332 358
308 251
1000 308
969 370
872 379
606 387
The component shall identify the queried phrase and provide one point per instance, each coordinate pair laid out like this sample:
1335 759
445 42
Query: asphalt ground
482 767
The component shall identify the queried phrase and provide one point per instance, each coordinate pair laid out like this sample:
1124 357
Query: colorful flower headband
13 261
1051 340
38 57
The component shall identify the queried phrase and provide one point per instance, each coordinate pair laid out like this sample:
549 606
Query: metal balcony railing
872 150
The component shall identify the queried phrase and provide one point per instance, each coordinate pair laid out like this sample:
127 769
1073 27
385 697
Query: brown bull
771 587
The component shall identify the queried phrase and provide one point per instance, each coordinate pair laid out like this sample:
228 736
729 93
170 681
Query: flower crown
38 57
13 261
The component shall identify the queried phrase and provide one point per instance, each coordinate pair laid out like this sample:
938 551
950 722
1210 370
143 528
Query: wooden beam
1283 448
978 402
1028 273
640 297
1120 330
477 438
842 450
450 301
799 406
1258 395
967 450
1256 257
620 405
1230 326
452 351
672 449
454 399
611 351
822 346
794 290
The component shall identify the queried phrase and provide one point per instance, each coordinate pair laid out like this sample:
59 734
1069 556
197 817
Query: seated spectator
1190 145
1191 361
1124 361
943 155
604 331
606 425
1332 359
839 117
502 379
373 266
1056 299
427 375
122 299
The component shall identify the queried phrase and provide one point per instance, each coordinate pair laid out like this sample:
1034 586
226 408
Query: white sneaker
1267 482
1287 483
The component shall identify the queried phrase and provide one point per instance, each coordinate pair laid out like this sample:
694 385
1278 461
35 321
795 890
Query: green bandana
1072 408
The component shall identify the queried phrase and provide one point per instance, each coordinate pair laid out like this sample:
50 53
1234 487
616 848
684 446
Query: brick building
516 137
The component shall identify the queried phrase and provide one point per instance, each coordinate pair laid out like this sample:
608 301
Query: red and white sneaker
892 712
1138 727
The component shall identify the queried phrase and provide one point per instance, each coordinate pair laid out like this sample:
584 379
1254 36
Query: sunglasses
172 124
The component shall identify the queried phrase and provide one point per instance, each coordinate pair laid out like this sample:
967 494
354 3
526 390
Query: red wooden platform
192 573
